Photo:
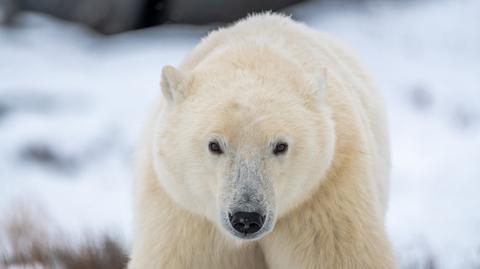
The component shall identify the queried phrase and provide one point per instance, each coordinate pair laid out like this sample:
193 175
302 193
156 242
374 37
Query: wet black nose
246 222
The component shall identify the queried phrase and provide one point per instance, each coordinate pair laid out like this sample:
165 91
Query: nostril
246 222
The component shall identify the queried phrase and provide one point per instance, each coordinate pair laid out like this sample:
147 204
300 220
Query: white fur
263 80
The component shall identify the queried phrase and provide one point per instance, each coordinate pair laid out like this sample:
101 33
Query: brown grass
26 245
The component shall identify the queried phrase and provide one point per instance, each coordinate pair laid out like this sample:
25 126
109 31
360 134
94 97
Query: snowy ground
72 104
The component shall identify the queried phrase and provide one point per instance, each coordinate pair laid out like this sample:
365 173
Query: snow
66 145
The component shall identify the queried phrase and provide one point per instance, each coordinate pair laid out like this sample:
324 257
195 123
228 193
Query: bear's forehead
250 83
250 116
253 113
239 121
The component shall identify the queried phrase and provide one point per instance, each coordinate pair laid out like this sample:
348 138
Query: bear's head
242 144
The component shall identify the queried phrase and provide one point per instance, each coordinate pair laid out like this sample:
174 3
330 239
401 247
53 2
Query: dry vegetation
25 245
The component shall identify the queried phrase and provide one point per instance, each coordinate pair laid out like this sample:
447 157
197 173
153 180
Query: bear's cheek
294 181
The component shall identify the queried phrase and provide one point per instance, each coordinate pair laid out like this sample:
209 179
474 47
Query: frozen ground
72 104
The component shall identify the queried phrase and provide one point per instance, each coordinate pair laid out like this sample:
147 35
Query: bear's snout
246 222
247 201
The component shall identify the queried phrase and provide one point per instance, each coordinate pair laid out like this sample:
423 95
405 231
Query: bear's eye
280 148
215 147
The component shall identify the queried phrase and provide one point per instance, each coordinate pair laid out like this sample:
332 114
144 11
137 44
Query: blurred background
77 79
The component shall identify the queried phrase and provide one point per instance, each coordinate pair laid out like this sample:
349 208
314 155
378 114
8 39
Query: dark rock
203 12
106 16
44 155
8 11
115 16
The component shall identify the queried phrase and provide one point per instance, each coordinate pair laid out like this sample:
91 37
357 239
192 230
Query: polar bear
269 149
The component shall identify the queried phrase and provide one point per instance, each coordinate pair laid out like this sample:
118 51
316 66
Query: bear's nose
246 222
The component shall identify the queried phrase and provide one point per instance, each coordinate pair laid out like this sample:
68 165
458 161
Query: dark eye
280 148
215 147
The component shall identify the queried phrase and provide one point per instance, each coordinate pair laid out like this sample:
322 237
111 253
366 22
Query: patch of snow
58 80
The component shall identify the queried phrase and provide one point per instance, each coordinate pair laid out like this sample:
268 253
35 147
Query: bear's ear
171 84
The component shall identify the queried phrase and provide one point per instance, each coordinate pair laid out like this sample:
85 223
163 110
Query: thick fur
263 78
